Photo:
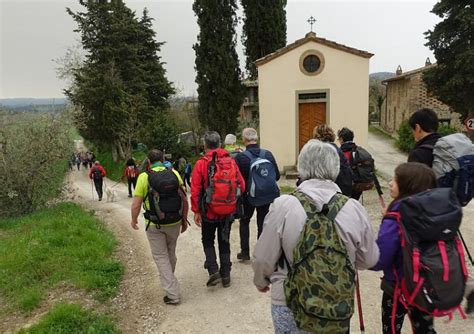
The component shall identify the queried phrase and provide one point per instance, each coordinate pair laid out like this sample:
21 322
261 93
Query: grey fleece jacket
284 223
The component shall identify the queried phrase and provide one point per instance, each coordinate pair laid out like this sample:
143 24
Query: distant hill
29 101
381 75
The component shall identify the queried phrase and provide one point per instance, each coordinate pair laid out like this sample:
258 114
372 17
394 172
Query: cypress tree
264 30
220 92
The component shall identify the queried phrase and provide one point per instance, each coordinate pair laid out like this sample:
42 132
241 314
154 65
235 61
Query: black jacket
244 162
423 150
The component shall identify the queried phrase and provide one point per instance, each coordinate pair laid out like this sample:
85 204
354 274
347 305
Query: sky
35 32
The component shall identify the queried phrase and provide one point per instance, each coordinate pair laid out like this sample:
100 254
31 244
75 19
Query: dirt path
238 309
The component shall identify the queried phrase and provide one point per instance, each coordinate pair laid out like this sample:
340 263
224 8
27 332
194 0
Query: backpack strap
426 146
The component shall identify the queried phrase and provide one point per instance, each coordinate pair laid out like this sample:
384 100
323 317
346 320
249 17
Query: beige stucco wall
345 77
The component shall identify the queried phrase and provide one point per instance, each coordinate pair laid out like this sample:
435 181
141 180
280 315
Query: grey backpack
453 165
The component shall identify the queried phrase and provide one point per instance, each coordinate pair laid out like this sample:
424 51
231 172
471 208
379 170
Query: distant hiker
424 124
72 161
131 173
260 171
90 158
161 193
230 146
97 174
362 164
412 219
188 168
216 188
330 235
84 160
344 180
181 162
78 161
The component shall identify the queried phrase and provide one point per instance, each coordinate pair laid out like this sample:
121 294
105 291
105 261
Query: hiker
181 162
362 164
84 160
230 146
289 227
165 222
78 161
188 168
131 173
325 134
445 155
409 179
260 171
97 174
424 124
216 188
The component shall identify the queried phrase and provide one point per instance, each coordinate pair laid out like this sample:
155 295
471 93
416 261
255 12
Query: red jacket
199 178
91 171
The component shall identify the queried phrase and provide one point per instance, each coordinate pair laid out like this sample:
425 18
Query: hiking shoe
243 256
470 303
170 301
226 282
129 195
214 279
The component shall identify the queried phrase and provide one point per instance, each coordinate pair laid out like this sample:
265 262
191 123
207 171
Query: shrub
34 150
406 142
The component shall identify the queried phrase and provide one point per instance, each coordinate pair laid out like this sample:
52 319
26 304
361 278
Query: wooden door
310 115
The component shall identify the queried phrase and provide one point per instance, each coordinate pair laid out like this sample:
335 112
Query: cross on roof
311 21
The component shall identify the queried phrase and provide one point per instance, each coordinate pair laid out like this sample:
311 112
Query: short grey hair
250 134
318 160
212 140
230 139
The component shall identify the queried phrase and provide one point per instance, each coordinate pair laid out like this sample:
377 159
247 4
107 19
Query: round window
311 63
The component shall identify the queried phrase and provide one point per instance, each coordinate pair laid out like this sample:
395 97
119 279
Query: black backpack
434 268
344 178
164 198
97 174
363 169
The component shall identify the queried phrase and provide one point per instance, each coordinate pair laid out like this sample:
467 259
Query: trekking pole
382 202
465 247
359 305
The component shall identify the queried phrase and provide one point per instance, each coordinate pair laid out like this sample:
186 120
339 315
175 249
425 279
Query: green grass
380 132
58 244
71 319
287 189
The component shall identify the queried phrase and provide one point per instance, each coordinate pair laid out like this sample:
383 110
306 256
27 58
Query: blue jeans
283 320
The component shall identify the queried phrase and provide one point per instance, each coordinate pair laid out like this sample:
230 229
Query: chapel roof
311 37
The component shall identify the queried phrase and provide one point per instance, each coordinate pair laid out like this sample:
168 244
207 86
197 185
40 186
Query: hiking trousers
98 187
209 231
132 182
421 322
163 249
244 228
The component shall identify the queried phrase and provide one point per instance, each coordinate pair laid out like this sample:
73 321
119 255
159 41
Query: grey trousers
163 249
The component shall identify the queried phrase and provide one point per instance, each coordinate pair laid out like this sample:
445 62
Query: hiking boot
129 195
226 281
243 256
167 300
214 279
470 303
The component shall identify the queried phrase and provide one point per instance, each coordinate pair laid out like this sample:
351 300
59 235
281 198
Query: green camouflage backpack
319 288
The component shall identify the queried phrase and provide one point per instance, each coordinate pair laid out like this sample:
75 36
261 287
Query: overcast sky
34 32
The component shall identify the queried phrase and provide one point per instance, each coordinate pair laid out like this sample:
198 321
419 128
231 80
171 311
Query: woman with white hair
318 166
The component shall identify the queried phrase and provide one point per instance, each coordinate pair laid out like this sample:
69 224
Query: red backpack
224 189
131 172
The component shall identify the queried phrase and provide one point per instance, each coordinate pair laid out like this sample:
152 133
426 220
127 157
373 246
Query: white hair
230 139
318 160
250 134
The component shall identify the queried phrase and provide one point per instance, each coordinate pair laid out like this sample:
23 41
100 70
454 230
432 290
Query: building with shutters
307 83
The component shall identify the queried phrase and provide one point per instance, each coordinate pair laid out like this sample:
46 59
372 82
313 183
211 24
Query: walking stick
465 247
382 202
359 305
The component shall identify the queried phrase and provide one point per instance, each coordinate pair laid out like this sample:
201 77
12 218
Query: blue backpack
453 165
261 185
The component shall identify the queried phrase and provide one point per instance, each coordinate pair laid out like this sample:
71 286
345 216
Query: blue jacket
390 248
